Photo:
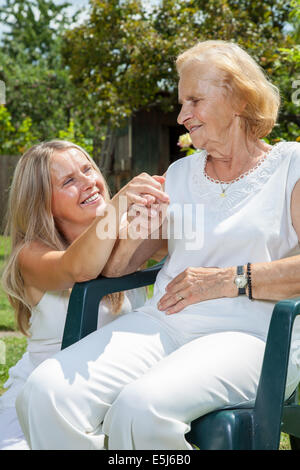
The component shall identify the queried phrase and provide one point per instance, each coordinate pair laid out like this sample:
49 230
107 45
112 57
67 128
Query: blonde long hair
29 218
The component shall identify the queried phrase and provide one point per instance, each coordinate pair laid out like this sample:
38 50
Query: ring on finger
179 297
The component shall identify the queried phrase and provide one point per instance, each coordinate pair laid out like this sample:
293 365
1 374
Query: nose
87 181
184 114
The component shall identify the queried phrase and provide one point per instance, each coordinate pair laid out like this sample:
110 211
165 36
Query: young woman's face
78 190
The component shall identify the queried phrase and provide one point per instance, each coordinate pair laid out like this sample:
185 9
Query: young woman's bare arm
45 269
129 254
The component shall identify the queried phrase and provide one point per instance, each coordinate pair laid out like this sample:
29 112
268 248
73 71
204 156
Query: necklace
229 183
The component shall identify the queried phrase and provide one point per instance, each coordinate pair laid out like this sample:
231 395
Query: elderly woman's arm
275 280
132 250
280 279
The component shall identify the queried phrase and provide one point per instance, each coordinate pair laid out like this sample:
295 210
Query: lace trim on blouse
209 190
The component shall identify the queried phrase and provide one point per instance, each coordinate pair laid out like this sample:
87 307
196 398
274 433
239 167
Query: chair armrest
82 315
271 388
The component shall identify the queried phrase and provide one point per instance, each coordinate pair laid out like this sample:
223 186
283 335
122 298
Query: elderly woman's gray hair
243 78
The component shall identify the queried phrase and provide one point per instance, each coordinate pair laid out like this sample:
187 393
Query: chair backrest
83 305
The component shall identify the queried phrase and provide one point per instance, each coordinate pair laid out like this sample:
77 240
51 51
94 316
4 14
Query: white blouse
251 224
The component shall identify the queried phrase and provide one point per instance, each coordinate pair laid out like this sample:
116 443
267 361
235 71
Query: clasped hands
147 206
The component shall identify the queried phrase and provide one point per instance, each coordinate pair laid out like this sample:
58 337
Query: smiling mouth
91 199
194 128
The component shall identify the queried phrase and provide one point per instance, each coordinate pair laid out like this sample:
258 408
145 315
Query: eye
89 168
69 180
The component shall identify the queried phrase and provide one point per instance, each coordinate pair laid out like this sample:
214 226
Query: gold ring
179 297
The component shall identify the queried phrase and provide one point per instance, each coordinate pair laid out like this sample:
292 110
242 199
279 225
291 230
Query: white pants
134 383
11 435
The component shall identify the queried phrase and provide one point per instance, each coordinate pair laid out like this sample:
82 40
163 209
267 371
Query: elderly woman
198 344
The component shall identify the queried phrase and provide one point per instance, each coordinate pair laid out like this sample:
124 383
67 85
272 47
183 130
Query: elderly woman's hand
195 285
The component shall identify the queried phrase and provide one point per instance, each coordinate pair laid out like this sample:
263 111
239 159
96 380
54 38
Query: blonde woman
198 344
57 199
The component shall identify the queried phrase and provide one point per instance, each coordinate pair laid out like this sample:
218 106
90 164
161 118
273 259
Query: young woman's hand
143 190
144 218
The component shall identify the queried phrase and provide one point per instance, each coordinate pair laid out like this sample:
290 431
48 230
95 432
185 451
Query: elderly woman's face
206 110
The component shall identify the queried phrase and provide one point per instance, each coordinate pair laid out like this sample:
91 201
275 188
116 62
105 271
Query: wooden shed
148 142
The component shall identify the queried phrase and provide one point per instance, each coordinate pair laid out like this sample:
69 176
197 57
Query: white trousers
134 383
11 435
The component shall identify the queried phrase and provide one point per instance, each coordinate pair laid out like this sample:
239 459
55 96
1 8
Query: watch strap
240 271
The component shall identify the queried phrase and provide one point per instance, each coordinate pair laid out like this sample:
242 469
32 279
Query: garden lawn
7 321
11 347
14 348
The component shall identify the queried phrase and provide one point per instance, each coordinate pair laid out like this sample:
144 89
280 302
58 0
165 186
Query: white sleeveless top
47 323
251 224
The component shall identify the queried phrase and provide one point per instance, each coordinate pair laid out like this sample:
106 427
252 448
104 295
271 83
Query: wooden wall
152 140
147 143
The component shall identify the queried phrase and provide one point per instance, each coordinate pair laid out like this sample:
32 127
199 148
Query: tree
35 29
123 58
12 140
37 83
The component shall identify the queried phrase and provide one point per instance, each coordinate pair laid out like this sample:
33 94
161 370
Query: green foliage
106 56
123 58
34 29
14 140
40 93
38 86
6 128
294 20
15 348
7 319
73 134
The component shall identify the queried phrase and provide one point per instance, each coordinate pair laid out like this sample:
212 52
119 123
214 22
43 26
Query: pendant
223 194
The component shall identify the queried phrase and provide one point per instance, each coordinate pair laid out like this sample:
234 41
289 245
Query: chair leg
295 442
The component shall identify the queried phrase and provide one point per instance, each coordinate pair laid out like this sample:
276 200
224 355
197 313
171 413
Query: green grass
15 347
7 320
14 350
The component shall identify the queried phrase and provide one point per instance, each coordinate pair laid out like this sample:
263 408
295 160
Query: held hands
195 285
143 190
146 204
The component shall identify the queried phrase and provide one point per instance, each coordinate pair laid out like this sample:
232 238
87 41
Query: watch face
240 281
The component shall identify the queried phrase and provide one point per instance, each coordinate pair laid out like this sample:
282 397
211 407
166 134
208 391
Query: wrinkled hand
195 285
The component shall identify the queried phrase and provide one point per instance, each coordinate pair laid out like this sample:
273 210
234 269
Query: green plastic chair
253 428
